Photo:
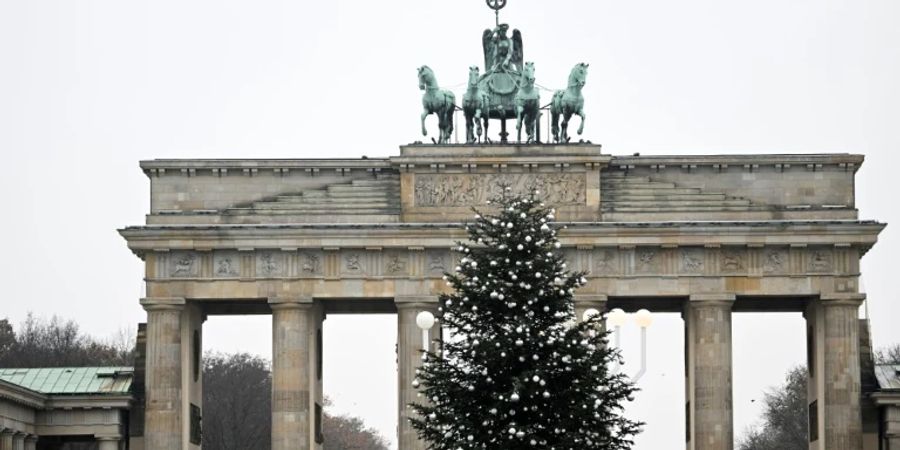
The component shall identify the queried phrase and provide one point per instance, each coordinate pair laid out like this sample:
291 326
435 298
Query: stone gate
704 236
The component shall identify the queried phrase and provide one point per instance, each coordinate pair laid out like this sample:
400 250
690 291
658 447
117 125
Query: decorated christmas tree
518 369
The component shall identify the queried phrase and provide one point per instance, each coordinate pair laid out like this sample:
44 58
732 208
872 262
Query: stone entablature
340 261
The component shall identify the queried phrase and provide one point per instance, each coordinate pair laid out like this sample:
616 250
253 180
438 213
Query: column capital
163 303
711 299
278 303
108 437
590 298
416 302
31 438
7 431
842 298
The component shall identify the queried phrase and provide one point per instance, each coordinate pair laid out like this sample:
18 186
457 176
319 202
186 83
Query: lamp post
643 318
425 321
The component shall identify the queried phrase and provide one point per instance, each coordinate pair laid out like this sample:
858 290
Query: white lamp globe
644 318
589 313
425 320
617 317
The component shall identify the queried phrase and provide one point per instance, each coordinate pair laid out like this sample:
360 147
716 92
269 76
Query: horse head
426 78
528 74
474 75
578 76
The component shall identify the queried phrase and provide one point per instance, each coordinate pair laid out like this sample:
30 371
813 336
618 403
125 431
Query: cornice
22 396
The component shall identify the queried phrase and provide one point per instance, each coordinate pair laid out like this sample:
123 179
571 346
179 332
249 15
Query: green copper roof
71 380
888 376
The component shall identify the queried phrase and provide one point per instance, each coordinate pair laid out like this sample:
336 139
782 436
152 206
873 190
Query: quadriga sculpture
475 106
528 104
436 101
568 102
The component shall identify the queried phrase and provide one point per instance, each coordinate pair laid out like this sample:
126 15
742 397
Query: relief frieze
691 260
820 260
476 189
226 265
184 265
310 264
269 264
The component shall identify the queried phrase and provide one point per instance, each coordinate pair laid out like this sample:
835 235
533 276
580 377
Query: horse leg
581 127
424 115
487 123
519 111
478 123
567 115
554 119
470 128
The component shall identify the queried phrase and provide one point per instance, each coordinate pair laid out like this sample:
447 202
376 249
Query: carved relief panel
270 264
476 189
183 265
226 264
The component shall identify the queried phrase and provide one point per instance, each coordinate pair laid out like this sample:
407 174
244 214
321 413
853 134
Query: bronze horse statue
528 104
437 101
475 106
568 102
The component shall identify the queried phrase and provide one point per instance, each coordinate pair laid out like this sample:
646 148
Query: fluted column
409 357
31 442
6 439
19 441
709 379
108 442
292 338
841 374
163 421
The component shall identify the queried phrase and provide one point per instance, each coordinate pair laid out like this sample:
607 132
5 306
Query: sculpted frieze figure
774 261
310 263
732 260
475 189
184 265
353 263
396 265
436 263
225 267
267 264
819 261
604 261
691 260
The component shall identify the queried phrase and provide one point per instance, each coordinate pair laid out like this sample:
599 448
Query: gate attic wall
703 236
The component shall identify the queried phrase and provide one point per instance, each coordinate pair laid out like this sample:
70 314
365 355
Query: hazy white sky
90 87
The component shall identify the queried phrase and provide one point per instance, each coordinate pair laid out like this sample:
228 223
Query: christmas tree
519 370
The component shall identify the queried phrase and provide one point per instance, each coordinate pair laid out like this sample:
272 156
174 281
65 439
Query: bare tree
784 421
237 409
888 355
57 343
236 402
347 432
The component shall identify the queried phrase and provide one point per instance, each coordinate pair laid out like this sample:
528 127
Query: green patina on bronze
506 90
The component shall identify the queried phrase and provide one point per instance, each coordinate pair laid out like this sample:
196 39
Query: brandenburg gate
703 236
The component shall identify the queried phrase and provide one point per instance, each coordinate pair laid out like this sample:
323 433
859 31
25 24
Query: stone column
163 420
6 439
708 361
108 442
409 357
840 372
19 441
31 442
292 338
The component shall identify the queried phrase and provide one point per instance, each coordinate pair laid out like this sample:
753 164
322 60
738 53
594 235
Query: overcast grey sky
90 87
